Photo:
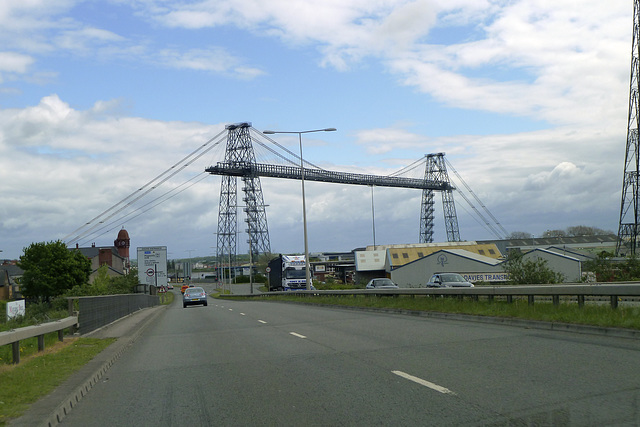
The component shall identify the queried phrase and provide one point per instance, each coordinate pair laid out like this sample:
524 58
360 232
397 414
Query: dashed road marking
425 383
262 321
297 335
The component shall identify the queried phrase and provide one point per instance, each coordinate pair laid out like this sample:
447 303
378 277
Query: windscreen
452 278
295 274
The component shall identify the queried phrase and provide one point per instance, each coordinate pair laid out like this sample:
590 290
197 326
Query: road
268 363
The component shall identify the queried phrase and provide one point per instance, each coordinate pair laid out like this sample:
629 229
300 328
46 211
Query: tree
607 269
519 235
554 233
530 271
263 261
50 269
104 285
583 230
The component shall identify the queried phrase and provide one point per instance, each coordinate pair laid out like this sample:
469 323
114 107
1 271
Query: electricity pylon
629 207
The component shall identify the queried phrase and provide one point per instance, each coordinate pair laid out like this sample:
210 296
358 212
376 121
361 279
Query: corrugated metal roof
474 256
402 256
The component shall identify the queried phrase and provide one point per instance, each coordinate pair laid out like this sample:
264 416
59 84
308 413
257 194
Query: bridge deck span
321 175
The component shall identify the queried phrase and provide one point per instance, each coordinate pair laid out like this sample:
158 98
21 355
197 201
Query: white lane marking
297 335
242 314
425 383
262 321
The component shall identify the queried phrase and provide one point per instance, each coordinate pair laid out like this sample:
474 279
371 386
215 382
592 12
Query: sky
528 99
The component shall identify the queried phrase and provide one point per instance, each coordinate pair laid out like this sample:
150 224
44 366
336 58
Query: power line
141 192
505 233
161 199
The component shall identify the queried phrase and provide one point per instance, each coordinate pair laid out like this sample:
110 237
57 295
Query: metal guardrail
578 290
94 312
14 337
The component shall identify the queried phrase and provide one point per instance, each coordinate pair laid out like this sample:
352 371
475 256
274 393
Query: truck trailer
287 273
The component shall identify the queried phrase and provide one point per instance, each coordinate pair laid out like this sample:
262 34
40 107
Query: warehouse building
478 268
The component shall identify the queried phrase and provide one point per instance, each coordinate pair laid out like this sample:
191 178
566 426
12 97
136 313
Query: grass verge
567 312
167 298
28 347
32 379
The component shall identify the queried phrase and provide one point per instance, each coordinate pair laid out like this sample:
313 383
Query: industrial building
483 261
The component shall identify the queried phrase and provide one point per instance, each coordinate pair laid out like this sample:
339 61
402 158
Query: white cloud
215 59
86 39
14 62
380 141
562 64
88 160
548 179
555 56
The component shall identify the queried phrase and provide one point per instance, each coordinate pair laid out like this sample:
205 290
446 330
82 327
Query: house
9 277
109 256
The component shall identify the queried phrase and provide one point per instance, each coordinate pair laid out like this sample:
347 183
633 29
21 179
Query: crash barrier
14 337
580 291
97 311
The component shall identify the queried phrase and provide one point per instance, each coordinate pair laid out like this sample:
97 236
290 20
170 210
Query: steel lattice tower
239 153
629 207
436 171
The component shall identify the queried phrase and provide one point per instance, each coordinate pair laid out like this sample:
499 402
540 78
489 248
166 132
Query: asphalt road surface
276 364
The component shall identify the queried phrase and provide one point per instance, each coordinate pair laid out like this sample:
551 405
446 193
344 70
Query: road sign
152 266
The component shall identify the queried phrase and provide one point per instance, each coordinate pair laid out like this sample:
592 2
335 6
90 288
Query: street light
304 208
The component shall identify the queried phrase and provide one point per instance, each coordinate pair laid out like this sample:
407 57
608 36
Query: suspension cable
135 196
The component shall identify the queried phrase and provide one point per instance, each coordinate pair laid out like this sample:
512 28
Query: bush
105 285
258 278
531 271
36 313
607 270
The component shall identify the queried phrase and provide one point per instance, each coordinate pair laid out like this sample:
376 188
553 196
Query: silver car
448 280
381 284
194 296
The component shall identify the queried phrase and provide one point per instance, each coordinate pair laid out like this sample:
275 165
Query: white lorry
287 273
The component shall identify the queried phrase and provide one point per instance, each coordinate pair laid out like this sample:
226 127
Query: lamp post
373 220
190 267
304 207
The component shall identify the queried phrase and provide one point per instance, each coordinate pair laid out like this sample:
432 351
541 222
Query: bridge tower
436 171
239 153
629 208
